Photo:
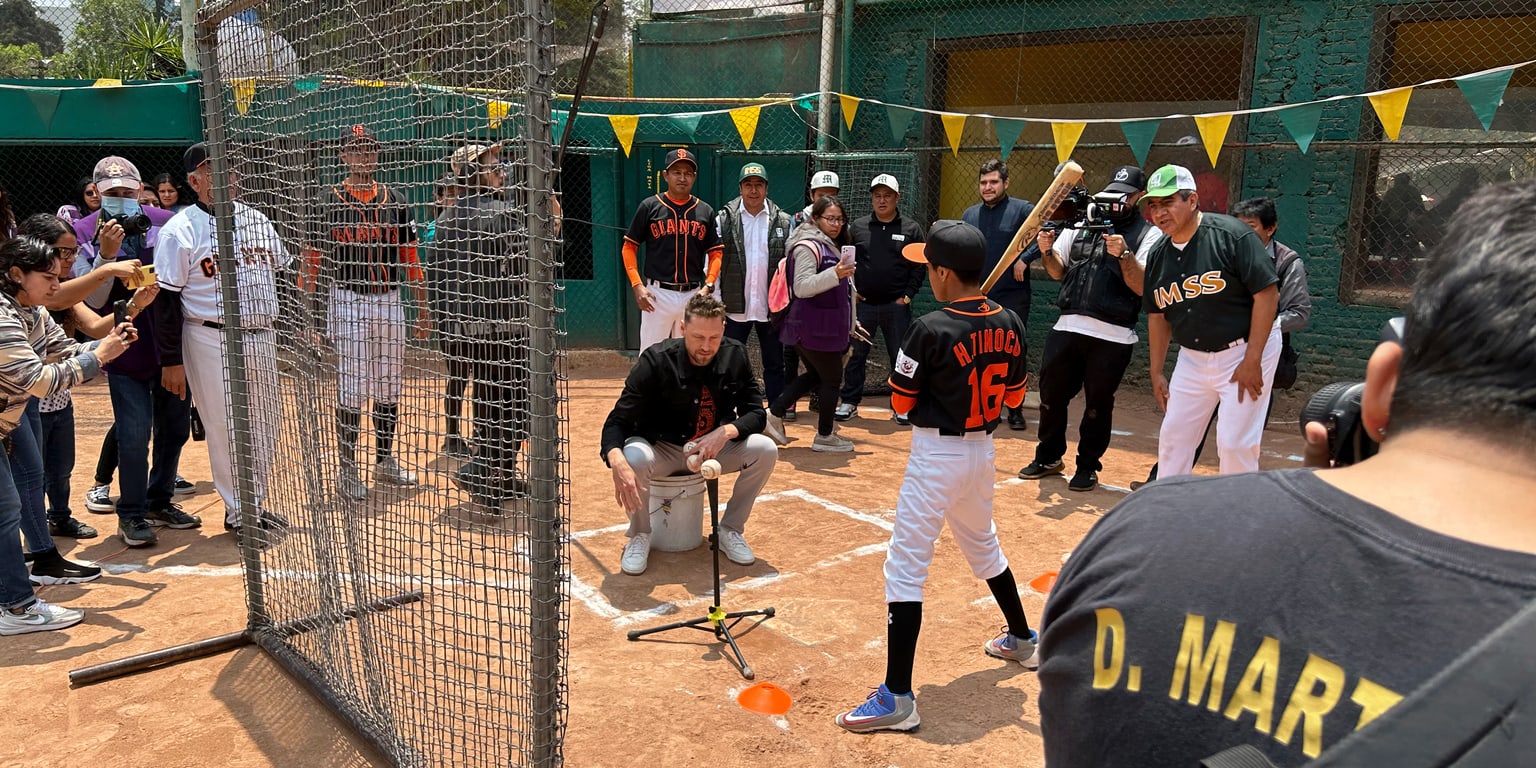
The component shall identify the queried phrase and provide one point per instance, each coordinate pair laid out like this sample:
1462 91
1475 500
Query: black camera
1337 407
1085 212
134 224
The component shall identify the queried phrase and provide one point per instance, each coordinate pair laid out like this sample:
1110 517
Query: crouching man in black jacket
696 391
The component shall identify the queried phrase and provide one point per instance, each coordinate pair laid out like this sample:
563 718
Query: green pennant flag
1007 134
901 120
808 103
687 125
1302 121
1484 92
1139 134
557 126
46 102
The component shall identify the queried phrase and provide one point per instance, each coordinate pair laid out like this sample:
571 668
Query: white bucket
677 513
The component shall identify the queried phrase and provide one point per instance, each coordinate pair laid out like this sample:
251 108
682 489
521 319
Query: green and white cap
1169 179
754 171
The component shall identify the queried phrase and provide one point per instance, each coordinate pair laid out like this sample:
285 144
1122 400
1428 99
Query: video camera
1337 407
1083 211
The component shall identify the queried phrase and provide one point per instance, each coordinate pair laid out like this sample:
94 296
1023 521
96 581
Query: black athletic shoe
1016 420
49 567
136 532
1084 480
457 447
70 528
1036 470
172 516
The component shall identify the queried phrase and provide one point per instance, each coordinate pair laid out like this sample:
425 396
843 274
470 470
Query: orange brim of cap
913 252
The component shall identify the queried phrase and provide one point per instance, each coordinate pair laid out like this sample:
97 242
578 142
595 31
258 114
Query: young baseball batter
192 330
362 247
957 367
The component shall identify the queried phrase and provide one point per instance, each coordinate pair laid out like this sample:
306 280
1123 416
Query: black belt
678 286
369 289
956 432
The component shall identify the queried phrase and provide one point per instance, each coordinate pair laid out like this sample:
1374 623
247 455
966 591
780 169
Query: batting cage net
395 394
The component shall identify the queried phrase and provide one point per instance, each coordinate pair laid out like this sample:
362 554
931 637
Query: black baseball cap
357 134
680 155
196 155
1127 179
953 244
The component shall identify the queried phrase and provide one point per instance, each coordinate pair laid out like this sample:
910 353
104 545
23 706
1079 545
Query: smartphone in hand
848 252
119 312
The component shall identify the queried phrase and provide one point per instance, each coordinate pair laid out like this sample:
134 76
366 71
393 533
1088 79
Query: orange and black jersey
677 238
959 365
367 234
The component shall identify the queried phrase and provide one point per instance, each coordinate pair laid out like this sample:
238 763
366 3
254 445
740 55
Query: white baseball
710 469
693 463
690 447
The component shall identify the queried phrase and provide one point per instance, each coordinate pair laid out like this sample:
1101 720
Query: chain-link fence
402 503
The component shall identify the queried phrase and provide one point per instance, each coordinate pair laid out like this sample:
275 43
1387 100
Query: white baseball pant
368 330
753 457
1200 381
202 350
664 321
948 478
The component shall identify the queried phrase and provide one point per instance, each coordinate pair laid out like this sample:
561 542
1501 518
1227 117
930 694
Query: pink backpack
778 292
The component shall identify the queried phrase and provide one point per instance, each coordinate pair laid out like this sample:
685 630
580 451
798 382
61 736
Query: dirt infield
819 534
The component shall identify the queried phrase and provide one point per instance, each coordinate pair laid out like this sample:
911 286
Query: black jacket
663 393
883 275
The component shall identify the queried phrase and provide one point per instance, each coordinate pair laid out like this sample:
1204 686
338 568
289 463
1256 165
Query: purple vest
819 323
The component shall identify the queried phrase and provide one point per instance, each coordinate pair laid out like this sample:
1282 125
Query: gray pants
753 458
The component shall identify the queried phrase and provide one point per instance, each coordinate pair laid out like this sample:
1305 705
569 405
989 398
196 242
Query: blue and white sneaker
882 711
1011 648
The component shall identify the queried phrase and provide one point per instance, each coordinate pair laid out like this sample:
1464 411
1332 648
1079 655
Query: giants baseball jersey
188 264
677 237
1205 289
364 232
959 365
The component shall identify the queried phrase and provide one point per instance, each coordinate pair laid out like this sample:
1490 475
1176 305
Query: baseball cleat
882 711
1036 470
1012 648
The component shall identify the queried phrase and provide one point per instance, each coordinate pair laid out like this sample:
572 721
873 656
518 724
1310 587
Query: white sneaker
775 430
832 444
38 617
637 554
735 548
350 486
388 470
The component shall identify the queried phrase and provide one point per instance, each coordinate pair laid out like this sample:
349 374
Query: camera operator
1100 265
1287 609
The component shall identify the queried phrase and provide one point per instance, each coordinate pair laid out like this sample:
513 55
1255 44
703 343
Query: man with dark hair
1285 610
1101 277
999 216
886 284
682 249
687 397
753 233
1211 287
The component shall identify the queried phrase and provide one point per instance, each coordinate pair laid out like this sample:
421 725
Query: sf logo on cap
358 130
682 154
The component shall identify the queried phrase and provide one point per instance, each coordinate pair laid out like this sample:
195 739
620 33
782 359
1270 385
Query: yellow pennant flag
953 126
107 82
850 108
497 111
746 123
1066 136
1213 131
624 128
245 90
1390 108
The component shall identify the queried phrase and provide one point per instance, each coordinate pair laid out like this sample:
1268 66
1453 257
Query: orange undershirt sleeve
715 258
632 262
412 264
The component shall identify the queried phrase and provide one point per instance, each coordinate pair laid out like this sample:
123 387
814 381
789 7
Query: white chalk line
120 569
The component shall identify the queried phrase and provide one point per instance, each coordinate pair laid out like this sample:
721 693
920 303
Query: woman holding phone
820 321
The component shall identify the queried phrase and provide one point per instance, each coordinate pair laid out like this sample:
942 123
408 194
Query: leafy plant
152 50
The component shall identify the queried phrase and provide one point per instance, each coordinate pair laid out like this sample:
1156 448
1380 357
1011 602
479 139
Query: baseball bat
1070 175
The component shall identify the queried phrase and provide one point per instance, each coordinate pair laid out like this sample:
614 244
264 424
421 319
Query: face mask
118 207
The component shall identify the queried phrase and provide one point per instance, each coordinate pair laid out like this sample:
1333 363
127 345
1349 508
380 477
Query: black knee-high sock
453 403
1006 592
348 421
385 415
903 624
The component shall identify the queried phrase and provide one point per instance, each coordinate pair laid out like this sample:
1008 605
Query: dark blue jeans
26 460
58 460
144 409
15 581
772 352
891 322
